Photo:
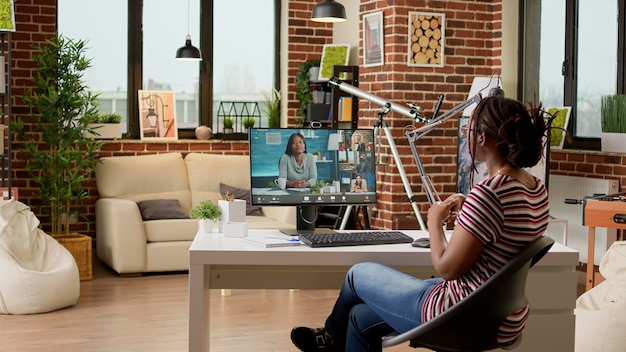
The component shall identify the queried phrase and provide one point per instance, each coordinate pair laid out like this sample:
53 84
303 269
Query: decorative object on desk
59 155
303 89
319 186
561 120
233 210
281 182
271 107
157 114
207 213
203 133
613 109
373 35
105 126
333 55
228 124
426 39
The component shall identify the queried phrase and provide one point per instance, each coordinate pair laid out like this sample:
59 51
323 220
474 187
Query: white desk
218 262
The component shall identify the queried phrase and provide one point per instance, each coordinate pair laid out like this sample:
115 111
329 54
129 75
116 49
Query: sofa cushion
143 177
158 209
243 194
207 171
170 230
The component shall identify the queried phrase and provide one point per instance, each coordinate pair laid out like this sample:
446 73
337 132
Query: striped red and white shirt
505 215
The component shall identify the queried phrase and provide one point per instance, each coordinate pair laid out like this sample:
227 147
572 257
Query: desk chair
472 324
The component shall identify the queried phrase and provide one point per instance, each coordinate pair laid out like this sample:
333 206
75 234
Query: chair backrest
473 323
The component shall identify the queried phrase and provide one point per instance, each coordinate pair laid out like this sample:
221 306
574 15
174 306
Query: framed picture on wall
333 55
373 45
157 114
7 16
426 39
560 122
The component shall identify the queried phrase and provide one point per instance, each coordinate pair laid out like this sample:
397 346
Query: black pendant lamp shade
328 11
188 51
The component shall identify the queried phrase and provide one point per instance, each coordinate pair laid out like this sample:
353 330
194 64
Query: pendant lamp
188 51
328 11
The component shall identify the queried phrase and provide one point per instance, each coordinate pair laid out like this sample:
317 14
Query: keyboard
354 238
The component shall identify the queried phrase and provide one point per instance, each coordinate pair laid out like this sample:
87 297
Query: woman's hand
299 184
441 211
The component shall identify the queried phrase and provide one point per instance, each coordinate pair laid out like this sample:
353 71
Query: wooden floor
149 313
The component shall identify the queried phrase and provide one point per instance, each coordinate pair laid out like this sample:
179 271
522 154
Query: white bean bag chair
37 274
601 311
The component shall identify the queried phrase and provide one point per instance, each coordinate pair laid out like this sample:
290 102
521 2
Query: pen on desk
289 239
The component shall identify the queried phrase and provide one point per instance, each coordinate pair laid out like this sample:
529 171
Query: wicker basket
80 247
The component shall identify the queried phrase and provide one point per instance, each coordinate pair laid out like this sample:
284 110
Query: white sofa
130 245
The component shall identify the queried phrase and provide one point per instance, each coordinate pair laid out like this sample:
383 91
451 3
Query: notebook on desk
272 241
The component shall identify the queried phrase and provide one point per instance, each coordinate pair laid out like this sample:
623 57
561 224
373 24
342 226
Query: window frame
135 59
529 44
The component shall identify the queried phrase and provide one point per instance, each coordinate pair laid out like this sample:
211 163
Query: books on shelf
272 241
345 109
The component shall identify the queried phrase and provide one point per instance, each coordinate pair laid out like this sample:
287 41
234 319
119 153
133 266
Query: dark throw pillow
243 194
159 209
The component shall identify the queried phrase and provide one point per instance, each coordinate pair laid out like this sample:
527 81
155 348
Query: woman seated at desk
359 185
296 165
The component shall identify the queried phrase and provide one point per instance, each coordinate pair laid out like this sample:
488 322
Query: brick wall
472 48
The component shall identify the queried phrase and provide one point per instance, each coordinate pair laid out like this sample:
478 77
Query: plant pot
105 130
205 225
80 247
228 131
613 142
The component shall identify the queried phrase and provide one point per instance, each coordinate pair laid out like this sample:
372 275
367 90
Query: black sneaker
312 340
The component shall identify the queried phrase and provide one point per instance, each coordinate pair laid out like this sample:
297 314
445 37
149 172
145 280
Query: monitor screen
290 166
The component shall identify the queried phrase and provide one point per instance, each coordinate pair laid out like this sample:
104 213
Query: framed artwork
464 164
157 114
332 55
7 16
373 34
426 39
561 120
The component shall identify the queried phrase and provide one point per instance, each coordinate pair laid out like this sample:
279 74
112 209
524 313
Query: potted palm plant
207 214
60 157
248 122
613 119
271 107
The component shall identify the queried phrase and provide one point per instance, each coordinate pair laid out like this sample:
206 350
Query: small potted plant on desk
207 214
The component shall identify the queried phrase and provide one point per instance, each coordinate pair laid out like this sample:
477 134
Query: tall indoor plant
59 156
303 90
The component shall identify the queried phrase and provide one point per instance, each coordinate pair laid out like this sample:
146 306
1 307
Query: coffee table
218 262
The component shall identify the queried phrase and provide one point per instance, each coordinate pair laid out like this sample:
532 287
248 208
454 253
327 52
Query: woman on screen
296 165
499 217
357 142
359 185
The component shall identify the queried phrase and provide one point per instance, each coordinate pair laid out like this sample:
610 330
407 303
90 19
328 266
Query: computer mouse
421 243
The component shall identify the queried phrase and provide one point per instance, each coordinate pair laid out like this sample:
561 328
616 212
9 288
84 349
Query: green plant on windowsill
613 113
271 107
206 210
108 118
228 124
248 122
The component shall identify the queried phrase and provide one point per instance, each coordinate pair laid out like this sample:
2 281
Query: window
133 44
573 55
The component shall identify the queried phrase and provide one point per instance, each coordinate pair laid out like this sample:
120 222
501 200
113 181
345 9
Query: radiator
562 187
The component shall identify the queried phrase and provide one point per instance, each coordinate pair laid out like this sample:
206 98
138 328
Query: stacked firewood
426 39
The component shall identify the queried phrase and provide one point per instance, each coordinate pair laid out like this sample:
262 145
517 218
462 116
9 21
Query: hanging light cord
188 6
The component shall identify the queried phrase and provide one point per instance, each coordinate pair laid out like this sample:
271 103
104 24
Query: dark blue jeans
374 301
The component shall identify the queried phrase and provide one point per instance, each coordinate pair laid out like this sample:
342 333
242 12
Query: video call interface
290 166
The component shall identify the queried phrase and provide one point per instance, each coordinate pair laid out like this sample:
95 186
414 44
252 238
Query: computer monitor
310 168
